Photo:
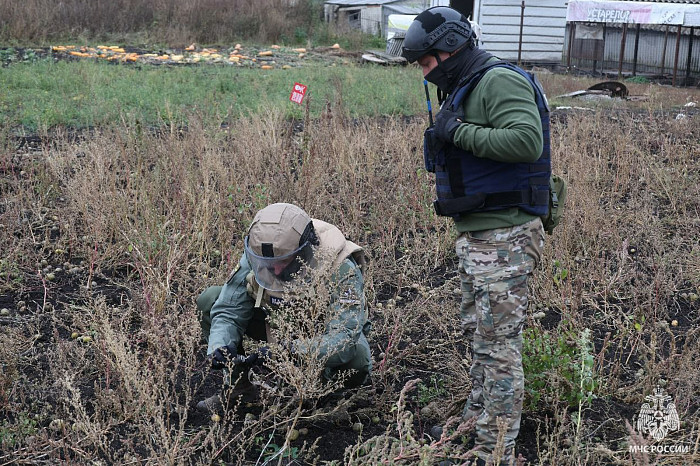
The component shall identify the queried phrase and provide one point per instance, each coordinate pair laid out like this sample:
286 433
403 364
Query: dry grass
138 225
166 21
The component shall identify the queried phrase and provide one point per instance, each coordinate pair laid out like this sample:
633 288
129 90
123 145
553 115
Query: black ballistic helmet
437 29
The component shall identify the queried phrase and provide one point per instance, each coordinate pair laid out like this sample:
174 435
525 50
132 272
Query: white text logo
658 417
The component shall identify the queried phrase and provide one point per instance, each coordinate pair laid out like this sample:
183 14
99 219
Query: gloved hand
446 123
222 355
264 353
289 347
259 357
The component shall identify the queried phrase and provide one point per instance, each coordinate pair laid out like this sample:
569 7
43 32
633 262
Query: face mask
449 72
446 74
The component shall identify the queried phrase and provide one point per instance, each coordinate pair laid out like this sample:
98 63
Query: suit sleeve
232 311
348 312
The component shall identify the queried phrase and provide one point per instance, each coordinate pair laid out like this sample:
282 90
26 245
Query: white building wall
544 28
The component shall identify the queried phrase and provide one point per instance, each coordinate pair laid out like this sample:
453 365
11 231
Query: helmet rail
437 29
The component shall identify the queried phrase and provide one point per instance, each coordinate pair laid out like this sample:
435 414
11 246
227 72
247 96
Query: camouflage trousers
494 266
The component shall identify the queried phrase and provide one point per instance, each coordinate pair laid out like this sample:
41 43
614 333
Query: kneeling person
281 243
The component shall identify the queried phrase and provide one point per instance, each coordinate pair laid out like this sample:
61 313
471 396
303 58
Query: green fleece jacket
501 123
343 344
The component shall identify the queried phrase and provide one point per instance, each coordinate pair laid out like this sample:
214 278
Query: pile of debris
273 57
383 58
604 90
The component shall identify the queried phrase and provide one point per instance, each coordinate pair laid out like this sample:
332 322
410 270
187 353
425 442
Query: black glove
289 347
259 357
446 123
222 355
264 353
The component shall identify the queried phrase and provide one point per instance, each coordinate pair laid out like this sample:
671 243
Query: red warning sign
298 93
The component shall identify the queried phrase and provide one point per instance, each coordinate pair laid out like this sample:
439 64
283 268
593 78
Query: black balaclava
448 73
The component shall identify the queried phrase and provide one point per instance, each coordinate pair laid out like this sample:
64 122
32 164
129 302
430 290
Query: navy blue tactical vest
466 183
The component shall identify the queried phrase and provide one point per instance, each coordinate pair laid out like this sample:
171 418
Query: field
125 190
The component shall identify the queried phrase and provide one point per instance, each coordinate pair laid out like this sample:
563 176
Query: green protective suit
229 312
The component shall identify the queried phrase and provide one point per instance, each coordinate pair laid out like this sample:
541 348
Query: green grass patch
559 366
47 94
14 433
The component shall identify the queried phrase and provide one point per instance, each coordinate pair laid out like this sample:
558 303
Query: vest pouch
557 198
432 150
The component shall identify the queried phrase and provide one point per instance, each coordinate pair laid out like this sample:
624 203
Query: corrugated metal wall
650 50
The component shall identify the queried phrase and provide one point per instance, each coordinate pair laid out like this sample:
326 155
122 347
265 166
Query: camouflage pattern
494 266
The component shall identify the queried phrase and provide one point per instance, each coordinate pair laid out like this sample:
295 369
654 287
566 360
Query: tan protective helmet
279 244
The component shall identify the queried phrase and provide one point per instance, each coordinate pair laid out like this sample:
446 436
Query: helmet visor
276 273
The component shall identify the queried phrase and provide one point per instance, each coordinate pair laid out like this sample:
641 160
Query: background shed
537 32
400 11
660 41
632 37
541 37
371 16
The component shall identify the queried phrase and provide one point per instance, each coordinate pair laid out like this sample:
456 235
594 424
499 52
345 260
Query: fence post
690 54
572 30
520 40
636 50
663 52
622 52
675 60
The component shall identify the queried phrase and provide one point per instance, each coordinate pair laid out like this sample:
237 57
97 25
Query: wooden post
690 54
675 60
636 50
663 52
602 61
520 40
572 29
622 52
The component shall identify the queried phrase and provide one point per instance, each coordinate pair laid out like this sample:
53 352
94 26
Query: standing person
489 150
282 242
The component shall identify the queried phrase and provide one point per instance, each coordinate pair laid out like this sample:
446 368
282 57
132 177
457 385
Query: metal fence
393 45
637 50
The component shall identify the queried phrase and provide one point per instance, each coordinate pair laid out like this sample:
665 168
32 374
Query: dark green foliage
559 366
